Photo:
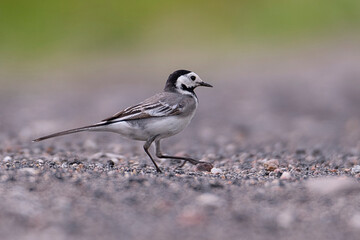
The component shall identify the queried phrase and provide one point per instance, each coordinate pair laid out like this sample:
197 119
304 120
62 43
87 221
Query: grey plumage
159 105
160 116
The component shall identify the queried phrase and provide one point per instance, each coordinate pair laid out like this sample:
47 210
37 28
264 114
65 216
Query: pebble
332 185
355 221
209 200
355 169
7 159
64 165
110 163
285 176
40 161
271 164
114 157
99 165
204 167
115 160
216 170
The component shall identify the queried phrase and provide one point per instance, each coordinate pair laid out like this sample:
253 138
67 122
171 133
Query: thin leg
146 148
186 159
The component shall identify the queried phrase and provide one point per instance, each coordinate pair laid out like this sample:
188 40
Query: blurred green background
71 41
41 30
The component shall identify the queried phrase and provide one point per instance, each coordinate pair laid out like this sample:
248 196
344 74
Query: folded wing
153 107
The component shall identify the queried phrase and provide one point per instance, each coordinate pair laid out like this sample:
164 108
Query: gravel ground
284 142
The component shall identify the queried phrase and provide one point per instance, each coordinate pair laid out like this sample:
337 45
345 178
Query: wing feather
148 108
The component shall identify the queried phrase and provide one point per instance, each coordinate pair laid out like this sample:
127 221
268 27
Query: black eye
193 78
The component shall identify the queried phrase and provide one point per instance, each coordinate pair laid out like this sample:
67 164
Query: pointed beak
204 84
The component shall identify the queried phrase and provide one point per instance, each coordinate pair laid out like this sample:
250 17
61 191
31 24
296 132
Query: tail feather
75 130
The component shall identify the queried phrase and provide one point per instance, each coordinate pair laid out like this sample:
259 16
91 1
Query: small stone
7 159
355 169
253 170
204 167
355 221
216 170
110 163
114 157
115 160
209 200
64 165
332 185
40 161
285 176
277 172
99 165
271 165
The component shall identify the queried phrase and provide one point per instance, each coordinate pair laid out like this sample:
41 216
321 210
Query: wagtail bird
160 116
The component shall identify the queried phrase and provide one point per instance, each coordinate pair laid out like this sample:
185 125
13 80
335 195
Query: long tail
75 130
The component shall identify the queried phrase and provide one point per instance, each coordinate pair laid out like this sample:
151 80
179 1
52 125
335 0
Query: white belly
148 128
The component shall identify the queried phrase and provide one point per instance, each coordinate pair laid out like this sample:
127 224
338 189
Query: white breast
147 128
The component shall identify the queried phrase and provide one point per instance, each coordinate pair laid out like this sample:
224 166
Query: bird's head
184 82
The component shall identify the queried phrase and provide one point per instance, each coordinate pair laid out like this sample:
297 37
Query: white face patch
188 81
